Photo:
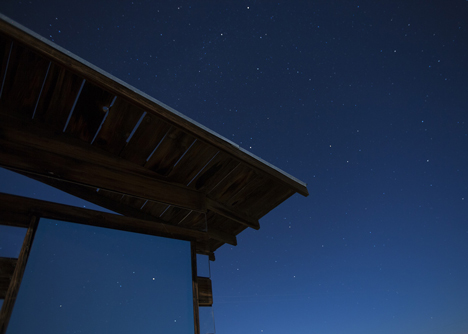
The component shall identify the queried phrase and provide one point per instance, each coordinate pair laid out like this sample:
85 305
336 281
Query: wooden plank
96 218
205 292
5 47
71 163
174 215
112 84
10 204
27 149
222 236
132 202
256 185
145 139
231 185
14 286
192 163
90 109
194 220
216 228
231 213
61 88
26 159
23 81
119 124
196 315
106 199
17 219
154 208
213 173
7 268
169 151
263 198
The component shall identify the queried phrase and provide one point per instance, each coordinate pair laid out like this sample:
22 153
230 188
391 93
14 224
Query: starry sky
365 101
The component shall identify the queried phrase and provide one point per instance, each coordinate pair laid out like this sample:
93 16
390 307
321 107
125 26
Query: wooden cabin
70 125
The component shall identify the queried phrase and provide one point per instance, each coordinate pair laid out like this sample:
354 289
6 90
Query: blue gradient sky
363 100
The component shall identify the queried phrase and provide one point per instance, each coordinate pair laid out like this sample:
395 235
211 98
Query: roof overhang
77 128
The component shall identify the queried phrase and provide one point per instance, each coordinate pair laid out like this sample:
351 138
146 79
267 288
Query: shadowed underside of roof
70 125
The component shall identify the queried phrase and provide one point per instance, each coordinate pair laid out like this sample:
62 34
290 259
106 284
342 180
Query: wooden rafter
142 100
26 148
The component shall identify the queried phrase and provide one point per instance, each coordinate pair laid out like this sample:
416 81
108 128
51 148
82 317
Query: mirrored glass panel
85 279
203 265
11 240
207 325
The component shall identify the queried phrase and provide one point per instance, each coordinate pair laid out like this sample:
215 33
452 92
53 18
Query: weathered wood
59 93
164 215
91 107
95 218
196 316
174 215
154 208
195 220
214 172
145 139
132 202
47 154
23 81
229 186
228 227
205 292
141 100
169 151
17 219
192 163
164 170
7 268
13 289
110 200
225 237
232 214
263 201
119 124
5 47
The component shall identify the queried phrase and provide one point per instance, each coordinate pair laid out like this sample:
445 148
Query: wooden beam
116 86
205 292
237 216
7 268
28 148
196 314
222 236
17 219
53 159
13 289
93 197
95 218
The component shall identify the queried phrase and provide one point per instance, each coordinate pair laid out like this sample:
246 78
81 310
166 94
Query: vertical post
196 316
15 283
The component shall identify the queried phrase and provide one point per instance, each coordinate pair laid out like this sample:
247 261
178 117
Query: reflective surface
11 240
84 279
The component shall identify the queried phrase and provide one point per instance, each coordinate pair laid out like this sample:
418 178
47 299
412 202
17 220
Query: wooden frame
15 283
70 125
75 127
26 212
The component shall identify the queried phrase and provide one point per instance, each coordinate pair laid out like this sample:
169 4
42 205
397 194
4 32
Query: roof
77 128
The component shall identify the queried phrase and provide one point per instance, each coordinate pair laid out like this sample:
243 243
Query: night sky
365 101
